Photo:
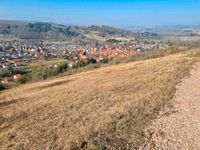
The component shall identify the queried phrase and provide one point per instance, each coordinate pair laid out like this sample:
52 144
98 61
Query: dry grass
96 37
106 108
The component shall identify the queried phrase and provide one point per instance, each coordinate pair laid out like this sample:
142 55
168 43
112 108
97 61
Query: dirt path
179 129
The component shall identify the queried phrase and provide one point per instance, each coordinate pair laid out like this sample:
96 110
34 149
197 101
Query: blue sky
108 12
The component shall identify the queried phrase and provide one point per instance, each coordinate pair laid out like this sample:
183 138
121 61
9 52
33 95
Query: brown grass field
106 108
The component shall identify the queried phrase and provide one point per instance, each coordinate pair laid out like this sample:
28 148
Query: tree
104 61
92 61
2 86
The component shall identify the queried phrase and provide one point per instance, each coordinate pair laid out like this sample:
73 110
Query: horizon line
117 26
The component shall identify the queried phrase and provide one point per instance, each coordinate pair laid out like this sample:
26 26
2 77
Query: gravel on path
178 129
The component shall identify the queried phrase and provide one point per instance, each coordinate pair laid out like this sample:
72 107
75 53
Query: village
20 54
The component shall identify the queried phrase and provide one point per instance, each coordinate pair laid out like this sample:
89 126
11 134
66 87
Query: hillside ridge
107 107
49 31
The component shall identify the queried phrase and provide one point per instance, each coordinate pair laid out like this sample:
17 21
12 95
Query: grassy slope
102 108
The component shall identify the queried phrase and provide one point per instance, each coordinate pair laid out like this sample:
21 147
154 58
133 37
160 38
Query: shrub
92 61
2 86
25 78
17 71
104 61
81 64
52 73
62 68
5 73
59 70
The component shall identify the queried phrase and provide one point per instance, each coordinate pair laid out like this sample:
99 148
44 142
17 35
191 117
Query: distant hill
49 31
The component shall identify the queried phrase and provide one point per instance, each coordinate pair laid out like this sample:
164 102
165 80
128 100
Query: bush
17 71
104 61
92 61
81 64
61 69
25 78
2 86
52 73
5 73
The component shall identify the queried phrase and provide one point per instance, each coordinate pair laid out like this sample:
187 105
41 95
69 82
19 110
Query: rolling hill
51 31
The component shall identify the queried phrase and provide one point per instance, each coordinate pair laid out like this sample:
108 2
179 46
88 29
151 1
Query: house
17 76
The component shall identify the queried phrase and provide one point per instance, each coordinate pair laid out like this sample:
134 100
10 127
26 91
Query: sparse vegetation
106 108
41 72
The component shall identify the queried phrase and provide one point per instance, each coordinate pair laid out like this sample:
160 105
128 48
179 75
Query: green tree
92 61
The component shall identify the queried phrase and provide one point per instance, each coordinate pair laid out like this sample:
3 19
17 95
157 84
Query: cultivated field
106 108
